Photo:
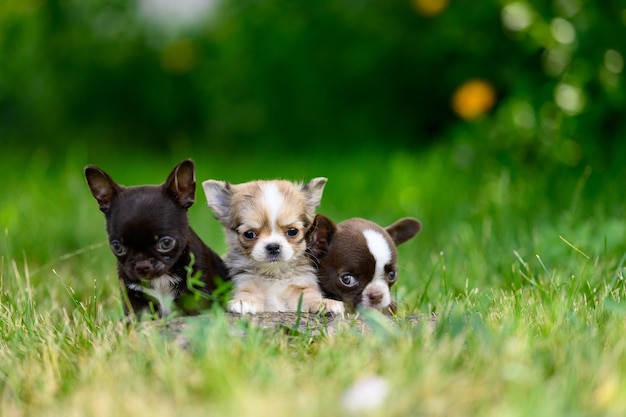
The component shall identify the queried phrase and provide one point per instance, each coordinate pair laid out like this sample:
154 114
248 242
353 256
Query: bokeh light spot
516 16
429 8
556 60
473 99
524 117
563 31
179 13
569 98
567 8
613 61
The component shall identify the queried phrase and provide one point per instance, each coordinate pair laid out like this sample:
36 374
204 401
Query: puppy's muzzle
375 297
273 249
147 269
144 268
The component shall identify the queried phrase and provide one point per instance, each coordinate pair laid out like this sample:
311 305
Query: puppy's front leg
245 303
333 306
312 301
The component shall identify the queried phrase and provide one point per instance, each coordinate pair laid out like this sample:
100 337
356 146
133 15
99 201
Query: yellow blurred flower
606 392
179 57
429 8
473 99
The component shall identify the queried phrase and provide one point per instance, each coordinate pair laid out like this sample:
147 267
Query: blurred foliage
516 82
499 124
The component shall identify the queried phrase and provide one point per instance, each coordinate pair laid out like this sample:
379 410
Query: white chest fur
160 289
254 294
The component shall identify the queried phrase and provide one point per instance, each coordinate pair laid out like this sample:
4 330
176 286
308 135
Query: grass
528 291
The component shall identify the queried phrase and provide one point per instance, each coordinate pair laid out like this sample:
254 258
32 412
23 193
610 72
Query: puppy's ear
102 187
181 184
319 235
218 195
313 191
403 230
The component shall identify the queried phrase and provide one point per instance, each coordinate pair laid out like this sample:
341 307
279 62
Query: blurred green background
207 75
500 124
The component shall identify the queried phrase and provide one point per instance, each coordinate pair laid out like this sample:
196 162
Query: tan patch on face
270 213
264 203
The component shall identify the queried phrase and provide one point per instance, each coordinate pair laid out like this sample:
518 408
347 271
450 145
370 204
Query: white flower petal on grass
366 393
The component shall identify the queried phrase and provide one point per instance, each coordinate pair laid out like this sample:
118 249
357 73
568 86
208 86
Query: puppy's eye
348 280
249 234
165 244
392 276
117 248
292 232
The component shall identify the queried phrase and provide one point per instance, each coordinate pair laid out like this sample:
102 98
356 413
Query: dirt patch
180 328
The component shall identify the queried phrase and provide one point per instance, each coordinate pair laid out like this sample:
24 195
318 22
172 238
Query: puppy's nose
143 268
273 248
375 297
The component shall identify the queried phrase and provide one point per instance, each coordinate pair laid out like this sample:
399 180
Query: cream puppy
265 224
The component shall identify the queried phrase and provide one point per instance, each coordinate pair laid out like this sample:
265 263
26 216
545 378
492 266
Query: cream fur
269 208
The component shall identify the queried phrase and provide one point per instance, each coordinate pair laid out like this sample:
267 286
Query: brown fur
342 250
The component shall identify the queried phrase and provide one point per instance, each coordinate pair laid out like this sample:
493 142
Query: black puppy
149 233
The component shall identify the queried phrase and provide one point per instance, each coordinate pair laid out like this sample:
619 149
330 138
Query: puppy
265 224
149 233
356 259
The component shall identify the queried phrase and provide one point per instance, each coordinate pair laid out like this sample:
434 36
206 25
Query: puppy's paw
241 306
332 306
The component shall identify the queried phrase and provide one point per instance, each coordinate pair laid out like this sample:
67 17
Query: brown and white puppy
265 224
356 259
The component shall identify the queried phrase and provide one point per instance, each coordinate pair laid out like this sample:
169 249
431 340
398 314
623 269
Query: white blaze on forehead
273 200
379 248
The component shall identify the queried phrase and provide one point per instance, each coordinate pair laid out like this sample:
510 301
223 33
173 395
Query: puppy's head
357 259
147 225
267 220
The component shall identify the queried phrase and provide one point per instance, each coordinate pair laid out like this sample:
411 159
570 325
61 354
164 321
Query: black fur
141 222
